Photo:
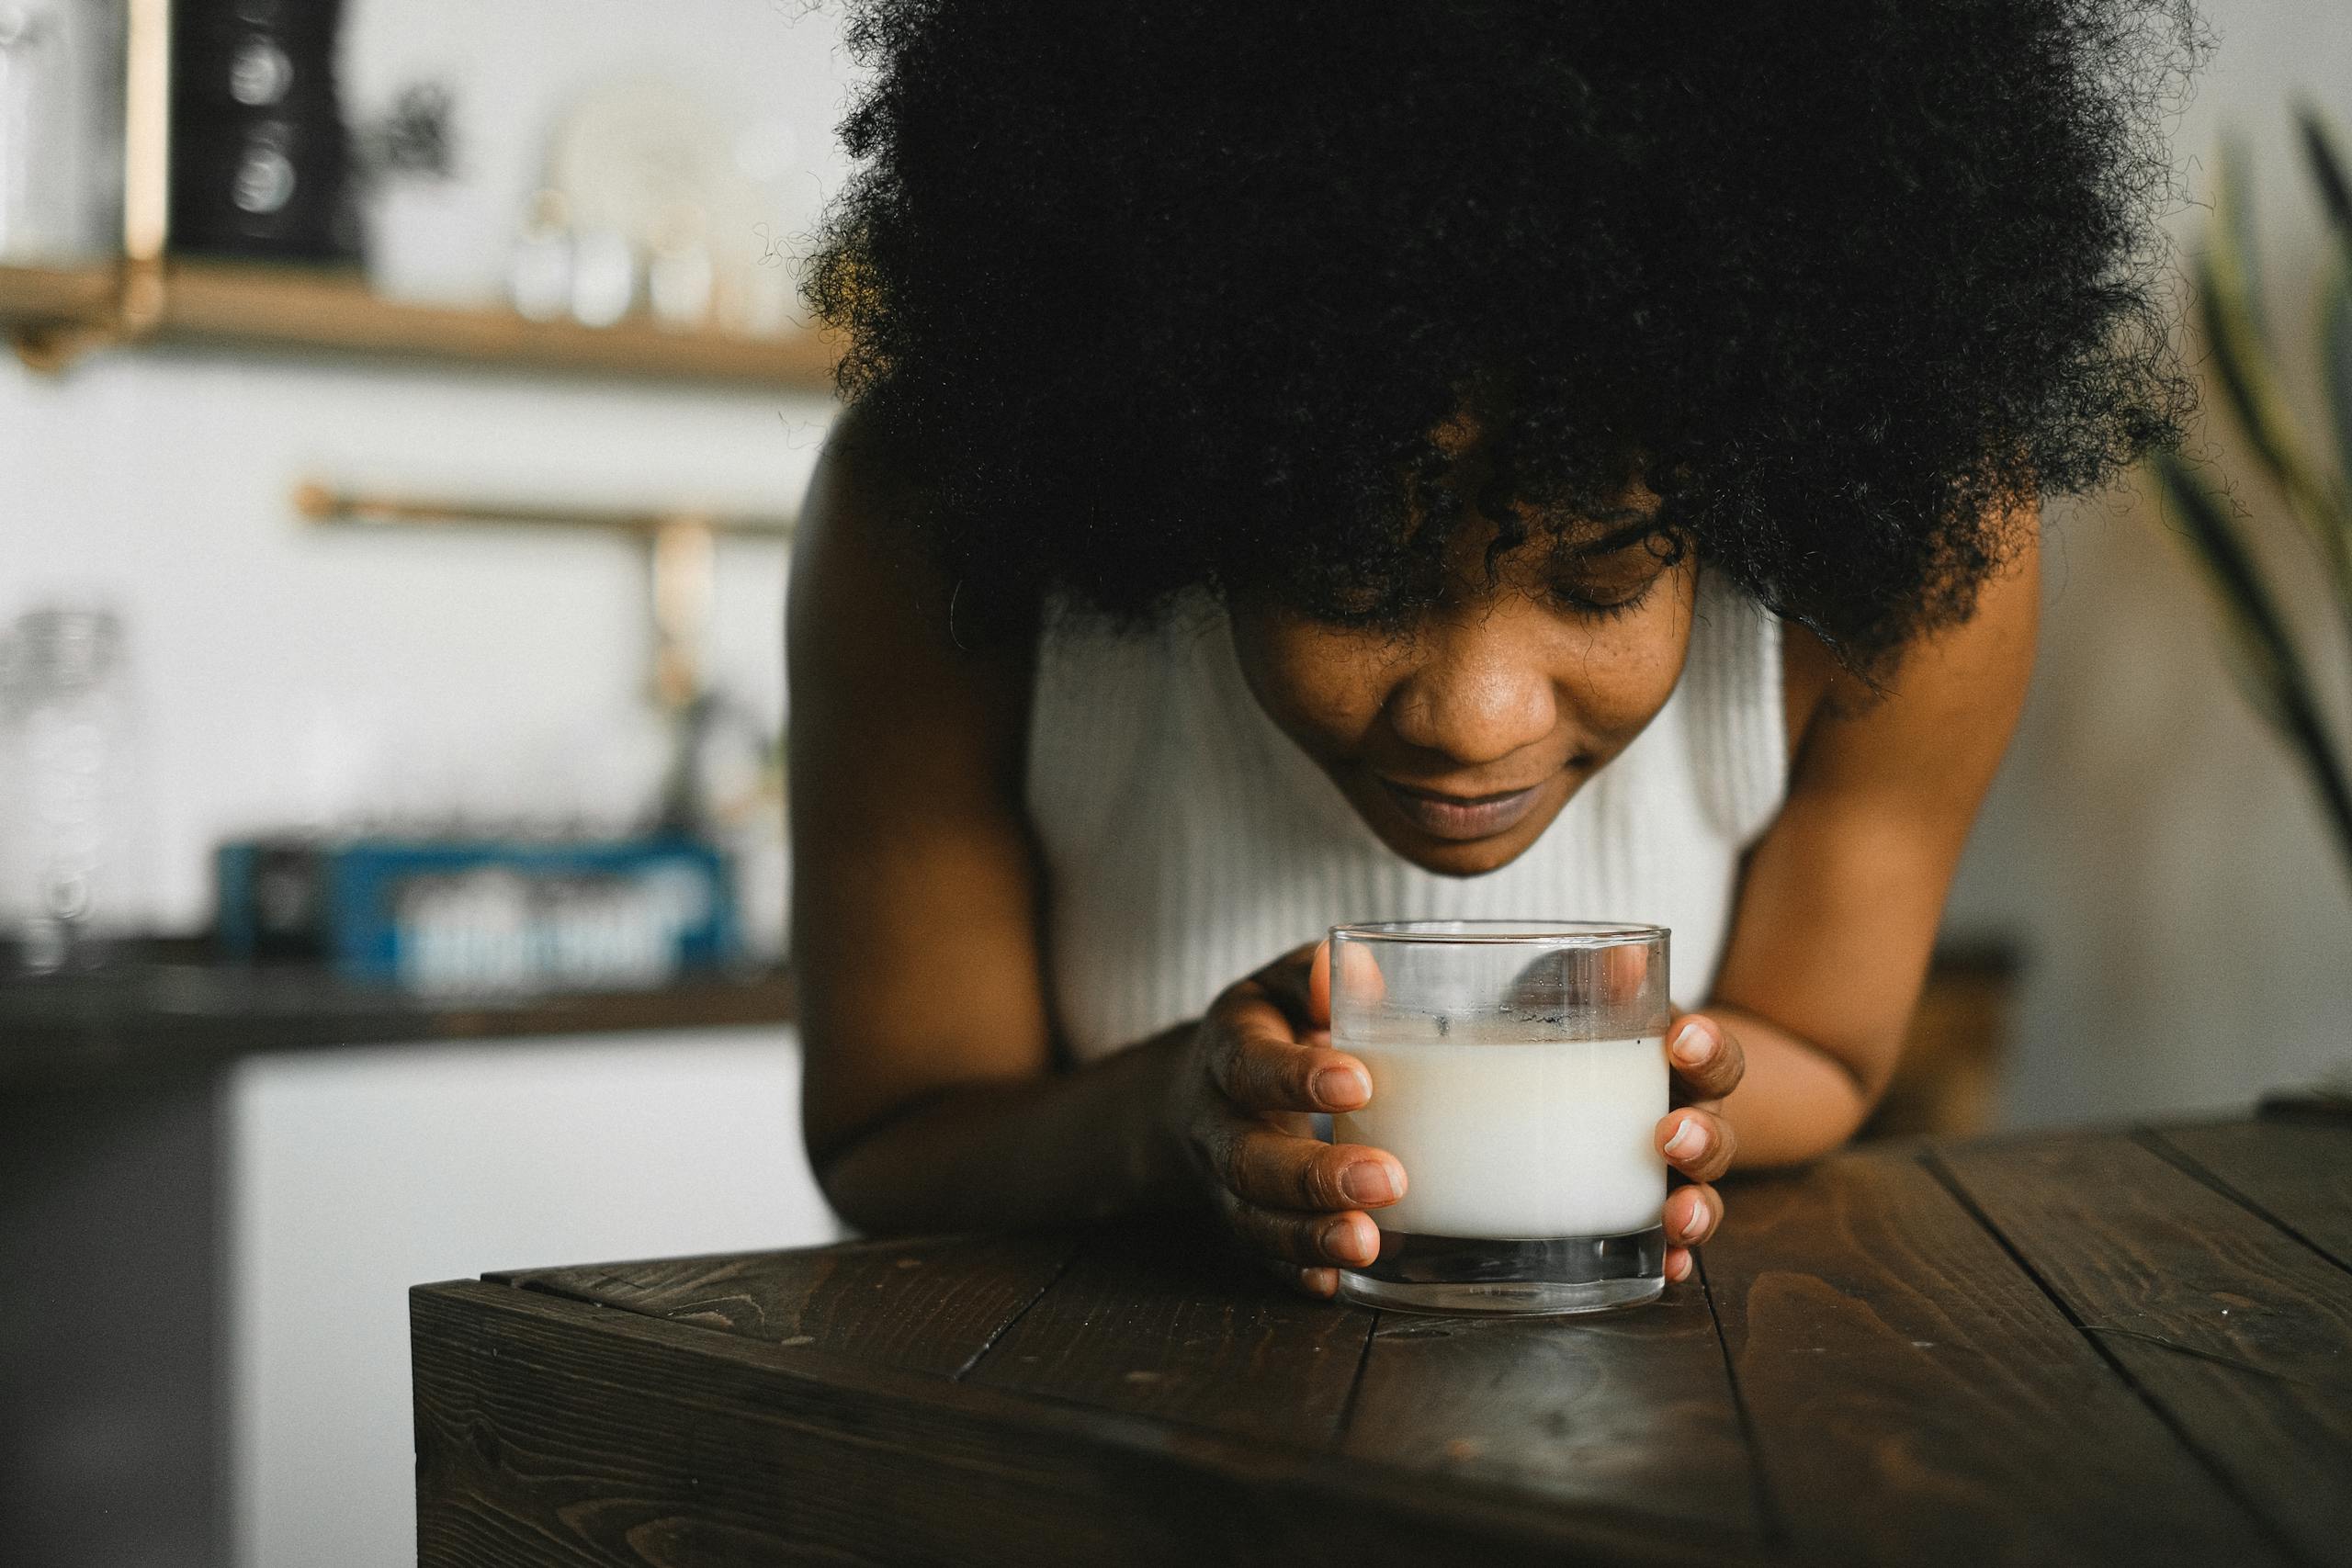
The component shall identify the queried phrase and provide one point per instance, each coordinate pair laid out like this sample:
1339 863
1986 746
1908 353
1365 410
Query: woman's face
1459 736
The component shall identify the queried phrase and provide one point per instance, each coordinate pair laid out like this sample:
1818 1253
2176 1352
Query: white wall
2188 919
289 675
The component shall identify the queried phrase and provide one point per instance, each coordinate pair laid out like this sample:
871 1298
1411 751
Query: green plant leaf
2268 661
2222 559
2328 173
2335 371
2229 310
2327 169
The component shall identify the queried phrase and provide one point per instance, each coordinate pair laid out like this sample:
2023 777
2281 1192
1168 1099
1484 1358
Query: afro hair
1144 295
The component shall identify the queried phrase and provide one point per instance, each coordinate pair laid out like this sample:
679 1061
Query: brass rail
681 571
321 503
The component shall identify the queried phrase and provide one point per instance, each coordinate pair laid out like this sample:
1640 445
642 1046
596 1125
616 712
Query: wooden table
2114 1348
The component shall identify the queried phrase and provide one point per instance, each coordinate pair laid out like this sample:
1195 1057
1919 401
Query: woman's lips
1462 816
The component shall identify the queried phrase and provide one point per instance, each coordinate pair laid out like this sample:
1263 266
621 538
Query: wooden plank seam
2273 1534
1001 1329
1776 1537
2154 1140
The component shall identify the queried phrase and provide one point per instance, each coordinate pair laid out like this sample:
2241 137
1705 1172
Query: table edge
812 1375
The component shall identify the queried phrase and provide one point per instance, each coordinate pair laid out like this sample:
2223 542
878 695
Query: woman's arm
928 1098
1840 900
931 1098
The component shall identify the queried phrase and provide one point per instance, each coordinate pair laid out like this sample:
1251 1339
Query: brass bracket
125 307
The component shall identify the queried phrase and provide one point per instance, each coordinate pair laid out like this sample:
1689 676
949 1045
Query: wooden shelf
288 309
46 295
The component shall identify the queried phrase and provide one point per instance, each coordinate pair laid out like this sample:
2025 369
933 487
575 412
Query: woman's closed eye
1615 581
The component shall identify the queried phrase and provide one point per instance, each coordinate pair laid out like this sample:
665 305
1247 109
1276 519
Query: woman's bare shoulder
1971 675
867 594
903 733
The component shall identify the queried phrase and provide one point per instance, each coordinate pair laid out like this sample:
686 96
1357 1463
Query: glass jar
68 800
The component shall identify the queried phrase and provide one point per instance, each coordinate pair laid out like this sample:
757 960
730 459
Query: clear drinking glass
1518 1074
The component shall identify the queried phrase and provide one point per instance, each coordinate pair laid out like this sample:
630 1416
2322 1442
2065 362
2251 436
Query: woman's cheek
1322 687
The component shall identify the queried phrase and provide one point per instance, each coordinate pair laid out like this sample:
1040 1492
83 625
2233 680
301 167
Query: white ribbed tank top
1187 841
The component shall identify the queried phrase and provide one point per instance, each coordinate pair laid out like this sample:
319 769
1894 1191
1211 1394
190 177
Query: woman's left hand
1695 1139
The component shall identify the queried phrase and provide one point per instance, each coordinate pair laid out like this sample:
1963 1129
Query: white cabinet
357 1173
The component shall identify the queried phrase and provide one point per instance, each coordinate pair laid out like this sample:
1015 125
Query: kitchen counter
172 1013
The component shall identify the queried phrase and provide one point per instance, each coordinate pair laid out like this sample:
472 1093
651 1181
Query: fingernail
1343 1088
1697 1223
1694 1045
1689 1140
1682 1269
1368 1181
1343 1241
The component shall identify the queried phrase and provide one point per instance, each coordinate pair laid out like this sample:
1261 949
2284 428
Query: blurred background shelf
41 296
50 312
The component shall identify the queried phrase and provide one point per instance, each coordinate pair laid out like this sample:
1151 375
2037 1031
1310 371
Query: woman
1311 463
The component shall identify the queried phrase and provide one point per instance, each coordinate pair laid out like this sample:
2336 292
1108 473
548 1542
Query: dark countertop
173 1011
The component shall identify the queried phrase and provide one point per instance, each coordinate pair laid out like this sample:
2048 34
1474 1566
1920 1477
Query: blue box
487 916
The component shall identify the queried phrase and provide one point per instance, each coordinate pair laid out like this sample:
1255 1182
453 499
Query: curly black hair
1148 295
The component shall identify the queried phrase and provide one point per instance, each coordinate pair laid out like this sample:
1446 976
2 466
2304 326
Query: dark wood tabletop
2130 1347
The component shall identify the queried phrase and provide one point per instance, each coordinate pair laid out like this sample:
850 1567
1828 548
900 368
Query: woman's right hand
1258 1064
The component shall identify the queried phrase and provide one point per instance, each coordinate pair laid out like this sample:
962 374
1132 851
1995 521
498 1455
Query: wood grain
2298 1173
553 1432
929 1305
1150 1322
2241 1335
1917 1399
1630 1412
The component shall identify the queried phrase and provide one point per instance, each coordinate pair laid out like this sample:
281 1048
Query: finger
1706 1057
1697 1143
1693 1213
1279 1171
1288 983
1309 1241
1678 1264
1260 1065
1624 971
1354 975
1323 1284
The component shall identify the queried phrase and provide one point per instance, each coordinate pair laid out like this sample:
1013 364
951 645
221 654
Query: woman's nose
1482 690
